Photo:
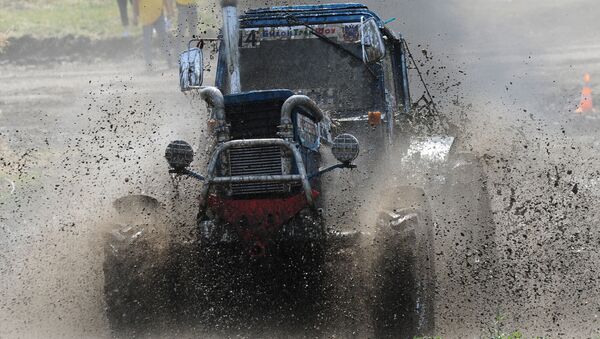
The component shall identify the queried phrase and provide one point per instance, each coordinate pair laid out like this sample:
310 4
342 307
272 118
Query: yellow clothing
150 10
185 2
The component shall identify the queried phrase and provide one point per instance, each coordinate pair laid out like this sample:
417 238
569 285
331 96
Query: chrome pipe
231 31
286 128
216 103
256 178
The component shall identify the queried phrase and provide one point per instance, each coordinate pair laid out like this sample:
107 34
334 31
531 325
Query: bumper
301 177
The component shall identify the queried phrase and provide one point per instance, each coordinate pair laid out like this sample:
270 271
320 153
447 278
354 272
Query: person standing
152 17
124 16
187 19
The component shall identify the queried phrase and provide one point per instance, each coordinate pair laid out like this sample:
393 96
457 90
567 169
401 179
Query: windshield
293 58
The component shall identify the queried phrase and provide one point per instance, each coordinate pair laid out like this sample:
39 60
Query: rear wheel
466 193
404 273
467 245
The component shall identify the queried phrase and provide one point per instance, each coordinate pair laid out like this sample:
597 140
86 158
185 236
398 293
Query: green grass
93 18
497 330
57 18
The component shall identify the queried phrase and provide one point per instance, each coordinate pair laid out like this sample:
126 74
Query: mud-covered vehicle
271 220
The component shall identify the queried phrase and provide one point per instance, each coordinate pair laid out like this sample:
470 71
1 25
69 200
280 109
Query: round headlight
345 148
179 154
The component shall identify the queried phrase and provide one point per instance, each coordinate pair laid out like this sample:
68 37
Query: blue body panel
258 96
309 14
304 8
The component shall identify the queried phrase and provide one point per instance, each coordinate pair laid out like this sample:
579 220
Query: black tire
403 268
465 218
471 207
137 283
138 279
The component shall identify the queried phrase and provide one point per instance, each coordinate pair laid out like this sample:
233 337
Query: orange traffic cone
586 105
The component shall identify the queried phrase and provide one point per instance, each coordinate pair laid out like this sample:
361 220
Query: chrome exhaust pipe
231 28
286 127
216 102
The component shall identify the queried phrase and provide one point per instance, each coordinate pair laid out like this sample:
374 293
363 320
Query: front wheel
136 281
137 271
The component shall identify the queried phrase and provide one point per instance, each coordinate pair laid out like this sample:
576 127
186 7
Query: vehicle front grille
263 160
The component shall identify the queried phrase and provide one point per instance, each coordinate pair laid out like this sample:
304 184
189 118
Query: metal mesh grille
265 160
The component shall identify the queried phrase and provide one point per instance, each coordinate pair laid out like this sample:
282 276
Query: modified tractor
270 216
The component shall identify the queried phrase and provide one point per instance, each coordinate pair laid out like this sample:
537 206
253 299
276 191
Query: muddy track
31 50
81 123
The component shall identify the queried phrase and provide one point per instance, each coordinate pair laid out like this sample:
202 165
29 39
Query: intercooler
264 160
255 115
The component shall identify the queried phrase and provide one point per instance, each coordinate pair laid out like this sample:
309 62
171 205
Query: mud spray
106 142
85 136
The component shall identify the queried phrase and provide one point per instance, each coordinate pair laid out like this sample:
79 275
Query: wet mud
30 50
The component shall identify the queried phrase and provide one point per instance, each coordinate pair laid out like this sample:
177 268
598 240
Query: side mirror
345 148
373 48
191 67
179 155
